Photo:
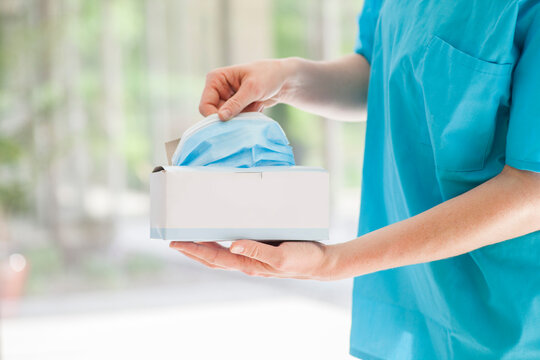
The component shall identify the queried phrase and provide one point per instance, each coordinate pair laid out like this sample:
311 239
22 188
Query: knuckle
201 108
254 252
216 78
252 86
211 75
234 103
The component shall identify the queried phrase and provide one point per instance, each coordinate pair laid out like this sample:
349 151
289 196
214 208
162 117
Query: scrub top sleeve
367 21
523 139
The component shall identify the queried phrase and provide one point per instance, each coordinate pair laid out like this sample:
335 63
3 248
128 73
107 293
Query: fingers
200 251
202 261
216 91
213 99
246 94
264 253
229 91
210 100
192 257
214 266
212 244
218 255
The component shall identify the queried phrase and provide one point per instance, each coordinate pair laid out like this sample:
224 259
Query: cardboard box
223 203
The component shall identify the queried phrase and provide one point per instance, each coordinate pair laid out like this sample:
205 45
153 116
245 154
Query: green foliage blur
70 68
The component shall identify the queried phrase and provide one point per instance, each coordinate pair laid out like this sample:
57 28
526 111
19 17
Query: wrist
352 258
291 70
330 267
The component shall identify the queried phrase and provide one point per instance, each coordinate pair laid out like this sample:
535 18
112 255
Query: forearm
335 89
503 208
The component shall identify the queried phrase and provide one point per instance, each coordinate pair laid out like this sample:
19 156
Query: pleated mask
247 140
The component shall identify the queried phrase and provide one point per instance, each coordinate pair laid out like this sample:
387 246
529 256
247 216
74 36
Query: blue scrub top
454 95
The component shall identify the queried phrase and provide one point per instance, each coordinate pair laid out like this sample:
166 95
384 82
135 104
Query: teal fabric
454 95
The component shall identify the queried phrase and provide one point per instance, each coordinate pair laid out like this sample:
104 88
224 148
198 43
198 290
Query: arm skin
505 207
502 208
335 89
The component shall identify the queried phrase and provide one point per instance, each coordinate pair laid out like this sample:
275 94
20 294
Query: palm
291 259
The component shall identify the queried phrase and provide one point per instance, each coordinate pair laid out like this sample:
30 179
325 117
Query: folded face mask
247 140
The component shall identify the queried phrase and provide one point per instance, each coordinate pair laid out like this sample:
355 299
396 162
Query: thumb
238 102
265 253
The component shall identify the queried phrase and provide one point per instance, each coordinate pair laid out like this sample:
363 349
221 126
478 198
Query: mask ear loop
192 130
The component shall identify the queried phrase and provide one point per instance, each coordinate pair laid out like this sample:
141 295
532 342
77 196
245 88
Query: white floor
281 328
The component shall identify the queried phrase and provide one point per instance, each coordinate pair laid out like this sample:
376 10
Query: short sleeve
367 21
523 138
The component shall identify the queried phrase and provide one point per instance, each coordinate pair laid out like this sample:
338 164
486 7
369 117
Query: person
447 262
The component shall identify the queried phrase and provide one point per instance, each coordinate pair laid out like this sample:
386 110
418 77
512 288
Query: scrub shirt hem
523 164
363 355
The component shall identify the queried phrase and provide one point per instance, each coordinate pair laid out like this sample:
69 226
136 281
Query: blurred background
89 92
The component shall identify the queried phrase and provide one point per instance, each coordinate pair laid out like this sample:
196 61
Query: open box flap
170 147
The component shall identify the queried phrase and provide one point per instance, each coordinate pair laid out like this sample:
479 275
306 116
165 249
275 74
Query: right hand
240 88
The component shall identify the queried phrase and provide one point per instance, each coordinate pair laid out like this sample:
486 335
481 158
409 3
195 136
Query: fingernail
226 114
237 249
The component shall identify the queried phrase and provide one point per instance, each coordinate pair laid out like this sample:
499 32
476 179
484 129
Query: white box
223 203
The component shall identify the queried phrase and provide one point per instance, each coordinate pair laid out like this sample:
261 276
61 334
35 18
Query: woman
451 174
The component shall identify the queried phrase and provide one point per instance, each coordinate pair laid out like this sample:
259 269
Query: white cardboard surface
281 203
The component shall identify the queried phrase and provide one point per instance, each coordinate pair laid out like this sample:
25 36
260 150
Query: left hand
291 259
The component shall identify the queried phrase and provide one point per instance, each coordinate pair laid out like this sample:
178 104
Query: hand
250 87
291 259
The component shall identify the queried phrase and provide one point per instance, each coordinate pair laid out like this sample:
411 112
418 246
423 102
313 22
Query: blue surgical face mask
247 140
